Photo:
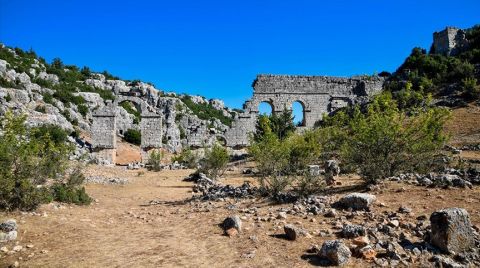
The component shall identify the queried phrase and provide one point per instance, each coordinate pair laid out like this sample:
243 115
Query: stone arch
267 102
303 111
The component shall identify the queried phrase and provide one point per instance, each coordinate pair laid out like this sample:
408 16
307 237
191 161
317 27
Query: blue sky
216 48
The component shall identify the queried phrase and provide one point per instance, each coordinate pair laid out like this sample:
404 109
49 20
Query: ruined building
318 95
449 42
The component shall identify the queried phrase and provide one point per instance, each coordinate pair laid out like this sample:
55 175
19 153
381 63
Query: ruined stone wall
151 128
318 95
449 42
104 128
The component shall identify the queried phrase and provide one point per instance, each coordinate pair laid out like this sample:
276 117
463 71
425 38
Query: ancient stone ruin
104 130
318 95
450 41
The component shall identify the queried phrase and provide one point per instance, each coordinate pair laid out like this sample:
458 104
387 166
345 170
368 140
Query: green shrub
68 194
187 157
82 109
7 84
131 110
384 141
470 88
133 136
283 164
8 98
205 111
215 161
280 124
28 157
155 160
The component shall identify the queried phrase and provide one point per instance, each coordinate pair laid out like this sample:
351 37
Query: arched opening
265 108
298 112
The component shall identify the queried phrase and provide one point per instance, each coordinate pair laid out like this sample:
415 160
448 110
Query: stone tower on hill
449 42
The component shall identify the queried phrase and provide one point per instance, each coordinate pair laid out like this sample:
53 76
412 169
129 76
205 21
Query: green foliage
7 84
284 163
133 136
8 98
71 191
82 109
187 157
384 141
47 98
471 88
205 111
131 110
215 161
281 125
66 194
28 157
155 160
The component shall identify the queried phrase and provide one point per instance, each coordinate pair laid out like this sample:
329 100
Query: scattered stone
249 255
361 241
291 232
282 215
335 251
331 212
232 222
105 180
4 249
8 230
357 201
352 231
452 230
17 248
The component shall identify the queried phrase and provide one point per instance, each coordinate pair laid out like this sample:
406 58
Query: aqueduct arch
104 130
318 95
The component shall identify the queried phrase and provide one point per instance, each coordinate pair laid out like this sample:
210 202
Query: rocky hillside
66 95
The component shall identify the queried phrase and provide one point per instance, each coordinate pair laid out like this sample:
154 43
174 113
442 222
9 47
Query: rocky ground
142 218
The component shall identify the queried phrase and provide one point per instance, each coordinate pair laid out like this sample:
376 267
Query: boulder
291 232
8 230
357 201
452 230
353 230
232 222
335 251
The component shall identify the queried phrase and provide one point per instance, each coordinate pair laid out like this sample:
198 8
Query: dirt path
119 231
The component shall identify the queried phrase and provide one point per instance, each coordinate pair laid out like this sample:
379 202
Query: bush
133 136
82 109
155 160
284 163
384 141
28 157
205 111
470 88
281 125
188 158
131 110
215 161
68 194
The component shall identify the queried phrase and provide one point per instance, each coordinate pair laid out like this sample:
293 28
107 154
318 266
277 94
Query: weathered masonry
318 95
104 129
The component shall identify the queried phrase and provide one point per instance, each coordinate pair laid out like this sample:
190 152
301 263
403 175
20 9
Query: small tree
188 158
155 160
28 158
384 141
215 161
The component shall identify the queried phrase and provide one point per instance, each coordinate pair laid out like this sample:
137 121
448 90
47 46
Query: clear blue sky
216 48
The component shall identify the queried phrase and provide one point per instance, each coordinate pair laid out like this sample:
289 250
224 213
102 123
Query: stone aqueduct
318 95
